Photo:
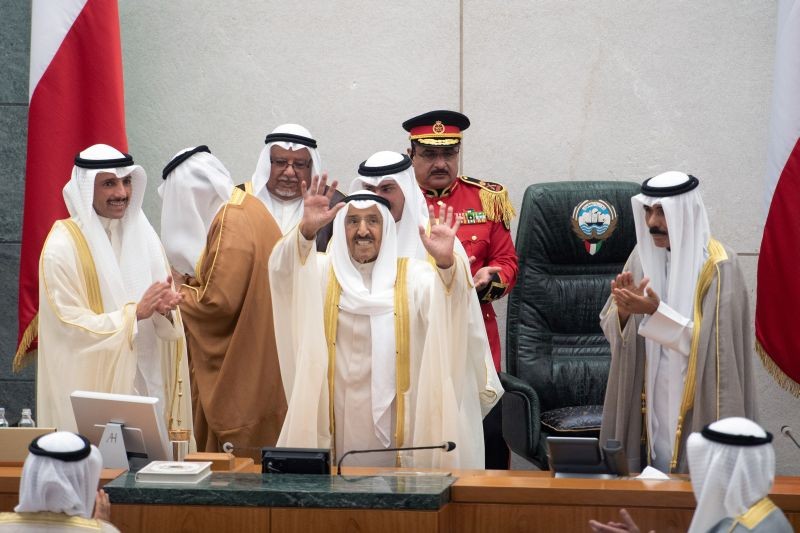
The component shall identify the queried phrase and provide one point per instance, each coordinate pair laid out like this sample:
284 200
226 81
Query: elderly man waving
379 361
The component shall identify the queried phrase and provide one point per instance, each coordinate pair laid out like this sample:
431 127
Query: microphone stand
446 446
786 430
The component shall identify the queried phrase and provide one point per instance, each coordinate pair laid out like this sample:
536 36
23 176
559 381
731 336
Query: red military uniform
485 212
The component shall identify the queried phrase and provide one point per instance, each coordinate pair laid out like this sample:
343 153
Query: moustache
656 231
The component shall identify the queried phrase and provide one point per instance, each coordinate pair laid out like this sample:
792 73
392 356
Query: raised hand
316 205
439 244
102 506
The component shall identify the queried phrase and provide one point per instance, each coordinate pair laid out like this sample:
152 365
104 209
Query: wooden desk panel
355 520
501 518
540 488
190 518
539 502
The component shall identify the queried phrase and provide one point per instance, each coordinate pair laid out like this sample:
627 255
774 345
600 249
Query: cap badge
438 127
593 221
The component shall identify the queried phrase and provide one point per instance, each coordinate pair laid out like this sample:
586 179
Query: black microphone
446 446
786 430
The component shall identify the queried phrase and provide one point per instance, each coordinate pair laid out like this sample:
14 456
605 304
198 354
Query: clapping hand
439 244
632 298
158 298
316 205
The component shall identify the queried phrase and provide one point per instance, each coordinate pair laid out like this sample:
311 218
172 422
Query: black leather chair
556 355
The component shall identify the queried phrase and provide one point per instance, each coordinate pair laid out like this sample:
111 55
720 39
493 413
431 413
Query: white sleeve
669 328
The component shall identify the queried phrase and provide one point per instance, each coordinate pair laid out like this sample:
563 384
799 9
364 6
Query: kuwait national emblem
593 221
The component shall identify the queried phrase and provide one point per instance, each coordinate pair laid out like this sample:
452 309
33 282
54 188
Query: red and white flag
76 100
778 292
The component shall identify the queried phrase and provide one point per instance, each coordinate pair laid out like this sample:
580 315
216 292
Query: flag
76 100
778 291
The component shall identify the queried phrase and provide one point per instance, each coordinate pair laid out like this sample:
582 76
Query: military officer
485 212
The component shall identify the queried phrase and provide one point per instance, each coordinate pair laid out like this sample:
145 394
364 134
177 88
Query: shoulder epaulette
494 200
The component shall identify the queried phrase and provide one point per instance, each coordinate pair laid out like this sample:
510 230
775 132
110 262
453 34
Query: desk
537 502
477 501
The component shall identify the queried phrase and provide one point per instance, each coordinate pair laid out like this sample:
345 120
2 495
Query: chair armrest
521 416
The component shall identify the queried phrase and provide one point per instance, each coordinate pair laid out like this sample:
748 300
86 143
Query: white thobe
149 379
82 350
286 213
668 337
352 404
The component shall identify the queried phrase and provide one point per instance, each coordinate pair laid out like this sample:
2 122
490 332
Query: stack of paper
174 472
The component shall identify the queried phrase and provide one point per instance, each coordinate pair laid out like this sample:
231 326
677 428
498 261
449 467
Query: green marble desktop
420 492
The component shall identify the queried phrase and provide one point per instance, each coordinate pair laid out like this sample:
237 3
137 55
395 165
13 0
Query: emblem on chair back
594 221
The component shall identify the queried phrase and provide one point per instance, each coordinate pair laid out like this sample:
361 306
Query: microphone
786 430
446 446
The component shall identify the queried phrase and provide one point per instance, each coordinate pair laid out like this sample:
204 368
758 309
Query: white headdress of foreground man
58 488
374 351
108 318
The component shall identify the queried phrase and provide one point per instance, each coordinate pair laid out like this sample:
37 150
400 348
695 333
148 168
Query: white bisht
391 166
431 402
93 272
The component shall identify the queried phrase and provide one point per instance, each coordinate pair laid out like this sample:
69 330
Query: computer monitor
124 427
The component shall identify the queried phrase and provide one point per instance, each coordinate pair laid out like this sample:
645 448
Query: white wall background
555 89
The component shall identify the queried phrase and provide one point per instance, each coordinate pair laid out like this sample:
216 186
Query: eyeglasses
448 154
298 166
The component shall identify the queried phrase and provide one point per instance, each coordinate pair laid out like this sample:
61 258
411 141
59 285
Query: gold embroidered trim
331 318
87 265
402 334
448 285
43 280
204 283
175 421
248 187
780 377
238 196
716 254
50 519
755 514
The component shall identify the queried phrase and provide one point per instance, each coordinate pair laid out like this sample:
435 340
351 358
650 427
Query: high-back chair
573 239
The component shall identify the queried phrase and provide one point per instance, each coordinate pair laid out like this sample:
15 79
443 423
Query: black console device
295 461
